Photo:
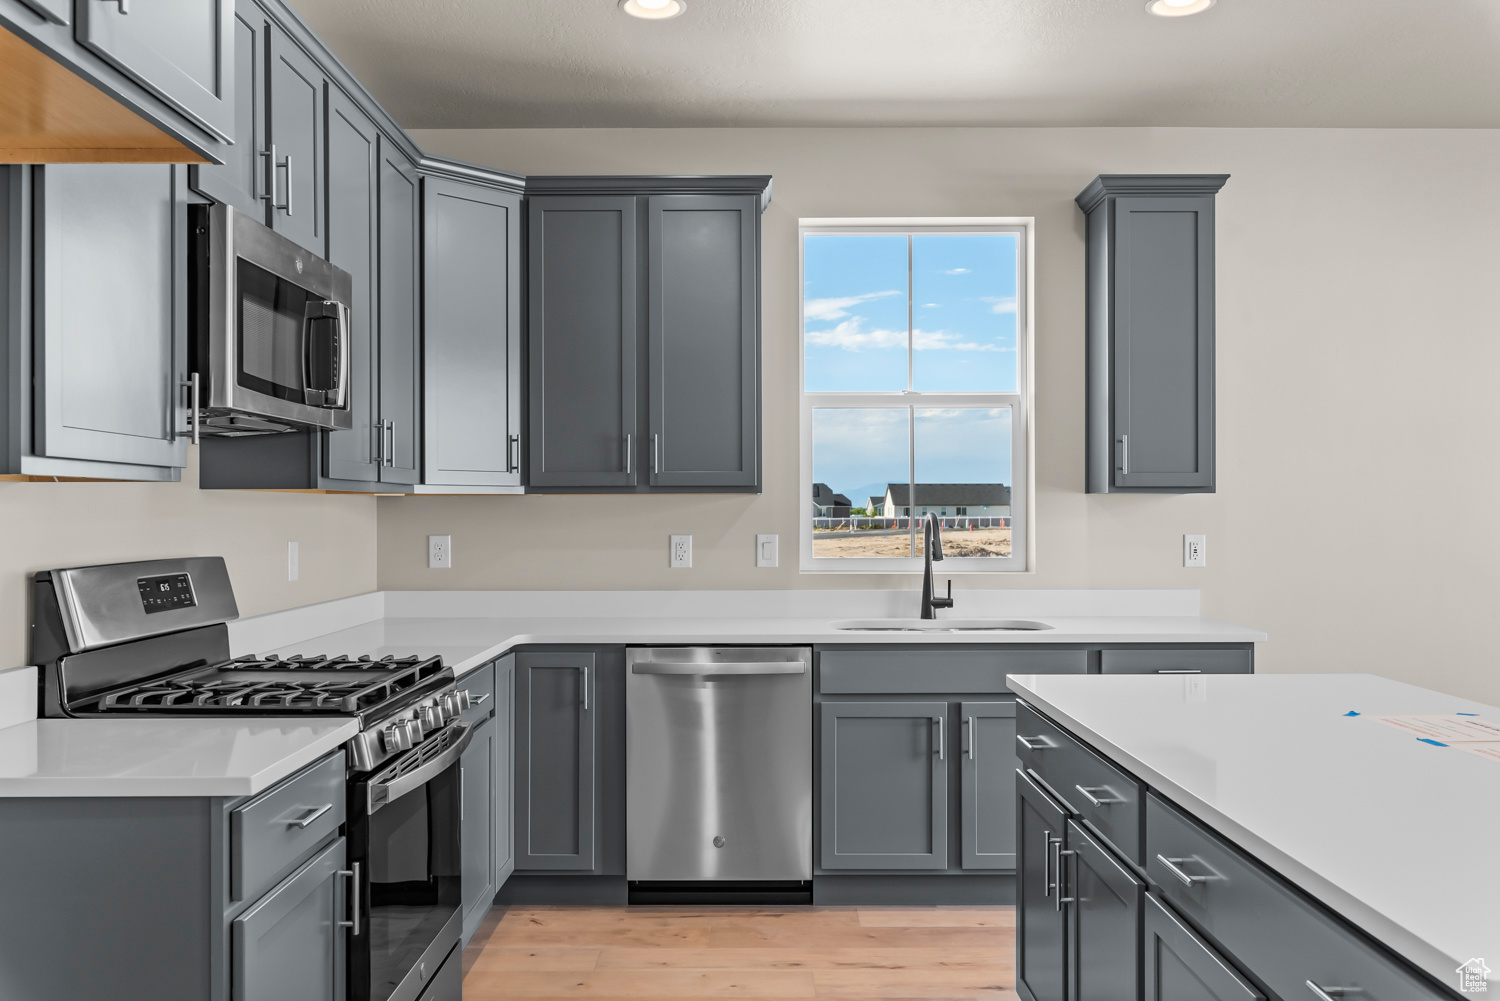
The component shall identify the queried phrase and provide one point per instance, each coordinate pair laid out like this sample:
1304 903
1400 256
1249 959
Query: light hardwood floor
686 953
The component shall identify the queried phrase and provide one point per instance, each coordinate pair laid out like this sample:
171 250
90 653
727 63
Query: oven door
404 836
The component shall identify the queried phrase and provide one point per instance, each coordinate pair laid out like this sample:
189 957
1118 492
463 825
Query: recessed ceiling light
653 10
1178 8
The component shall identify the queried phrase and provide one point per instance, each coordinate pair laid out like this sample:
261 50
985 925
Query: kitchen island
1263 832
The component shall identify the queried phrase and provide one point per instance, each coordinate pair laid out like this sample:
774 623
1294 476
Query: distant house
948 500
876 506
827 504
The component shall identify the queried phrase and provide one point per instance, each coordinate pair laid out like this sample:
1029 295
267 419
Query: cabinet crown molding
1105 185
653 184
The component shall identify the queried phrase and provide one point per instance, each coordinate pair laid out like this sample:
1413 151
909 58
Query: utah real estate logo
1473 977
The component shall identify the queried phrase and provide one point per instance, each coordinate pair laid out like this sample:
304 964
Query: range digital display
159 594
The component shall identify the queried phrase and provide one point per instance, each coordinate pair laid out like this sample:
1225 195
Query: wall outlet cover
766 550
681 552
440 552
1195 550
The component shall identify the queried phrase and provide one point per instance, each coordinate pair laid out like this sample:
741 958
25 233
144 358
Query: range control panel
169 591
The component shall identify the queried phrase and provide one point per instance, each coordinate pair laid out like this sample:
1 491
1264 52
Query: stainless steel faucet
932 549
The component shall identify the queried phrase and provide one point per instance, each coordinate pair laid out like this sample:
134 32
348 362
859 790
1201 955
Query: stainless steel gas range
149 639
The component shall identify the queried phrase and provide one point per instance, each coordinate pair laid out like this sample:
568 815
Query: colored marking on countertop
1466 714
1434 743
1351 712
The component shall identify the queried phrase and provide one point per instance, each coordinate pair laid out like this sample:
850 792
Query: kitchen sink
939 625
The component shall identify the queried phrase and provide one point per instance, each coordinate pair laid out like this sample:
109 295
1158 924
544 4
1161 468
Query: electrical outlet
682 552
440 552
765 550
292 570
1195 550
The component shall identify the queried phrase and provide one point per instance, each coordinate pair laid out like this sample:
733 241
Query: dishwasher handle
763 667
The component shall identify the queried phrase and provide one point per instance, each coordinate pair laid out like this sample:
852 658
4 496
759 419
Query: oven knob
414 729
431 716
462 697
395 738
455 703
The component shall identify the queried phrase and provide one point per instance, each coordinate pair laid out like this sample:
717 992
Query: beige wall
48 525
1355 518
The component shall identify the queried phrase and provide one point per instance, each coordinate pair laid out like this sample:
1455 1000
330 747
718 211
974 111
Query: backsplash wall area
49 525
1356 343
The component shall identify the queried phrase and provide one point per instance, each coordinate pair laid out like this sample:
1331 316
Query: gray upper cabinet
583 329
242 180
555 766
290 945
182 51
1150 318
988 773
400 347
109 258
295 172
352 178
703 332
884 785
471 302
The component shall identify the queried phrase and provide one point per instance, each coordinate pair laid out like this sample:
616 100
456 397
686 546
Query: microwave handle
340 392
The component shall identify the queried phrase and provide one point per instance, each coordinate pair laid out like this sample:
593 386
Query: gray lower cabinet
477 817
95 259
181 51
703 334
471 308
884 785
1041 925
1180 966
987 796
505 826
1150 319
241 181
555 766
1103 899
289 946
296 176
583 329
352 240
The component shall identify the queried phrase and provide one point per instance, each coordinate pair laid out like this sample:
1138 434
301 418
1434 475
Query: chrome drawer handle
1189 671
1042 743
353 923
1062 876
1088 794
1331 993
479 701
313 815
1187 878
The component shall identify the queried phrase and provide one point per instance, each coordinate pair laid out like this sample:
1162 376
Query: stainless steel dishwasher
719 767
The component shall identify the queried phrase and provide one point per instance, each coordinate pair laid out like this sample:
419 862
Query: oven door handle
383 793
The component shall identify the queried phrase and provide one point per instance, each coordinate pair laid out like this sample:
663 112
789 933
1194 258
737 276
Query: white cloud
931 305
956 271
848 336
942 340
1006 304
838 308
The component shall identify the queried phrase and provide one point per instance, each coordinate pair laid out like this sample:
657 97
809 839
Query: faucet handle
945 602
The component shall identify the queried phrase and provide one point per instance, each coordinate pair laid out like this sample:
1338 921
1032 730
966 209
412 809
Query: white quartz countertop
1394 834
160 757
467 643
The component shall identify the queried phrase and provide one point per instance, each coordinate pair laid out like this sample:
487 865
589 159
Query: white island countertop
1393 834
161 757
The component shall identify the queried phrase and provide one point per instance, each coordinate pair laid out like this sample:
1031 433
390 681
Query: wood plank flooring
746 953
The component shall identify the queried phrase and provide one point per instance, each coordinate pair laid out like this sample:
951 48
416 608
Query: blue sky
855 336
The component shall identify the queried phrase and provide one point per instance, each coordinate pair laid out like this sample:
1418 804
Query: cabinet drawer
480 684
268 835
978 672
1091 787
1271 930
1174 661
1179 965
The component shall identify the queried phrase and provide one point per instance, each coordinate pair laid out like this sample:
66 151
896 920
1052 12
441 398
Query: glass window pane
963 466
964 286
860 454
854 312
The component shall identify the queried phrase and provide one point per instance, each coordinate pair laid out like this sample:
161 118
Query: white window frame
1023 469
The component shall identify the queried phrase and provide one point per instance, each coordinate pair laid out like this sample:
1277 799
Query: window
915 392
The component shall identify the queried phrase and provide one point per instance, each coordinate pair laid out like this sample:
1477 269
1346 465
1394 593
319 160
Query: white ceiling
584 63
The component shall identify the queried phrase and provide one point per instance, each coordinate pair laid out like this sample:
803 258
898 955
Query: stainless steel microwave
270 329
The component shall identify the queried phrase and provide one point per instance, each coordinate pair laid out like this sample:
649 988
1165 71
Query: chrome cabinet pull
267 175
285 164
480 701
1042 743
1061 852
312 815
1173 866
353 923
973 736
1125 453
655 453
1330 993
1186 671
941 739
390 455
379 457
585 689
1088 794
1046 863
512 460
192 385
627 453
124 5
